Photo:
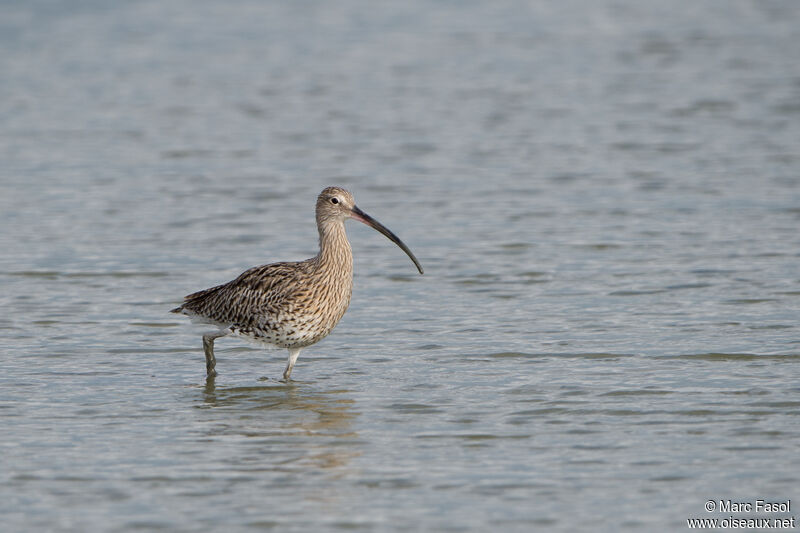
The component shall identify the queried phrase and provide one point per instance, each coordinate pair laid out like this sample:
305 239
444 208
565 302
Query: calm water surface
605 196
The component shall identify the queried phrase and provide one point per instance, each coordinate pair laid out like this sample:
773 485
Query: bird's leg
293 353
208 348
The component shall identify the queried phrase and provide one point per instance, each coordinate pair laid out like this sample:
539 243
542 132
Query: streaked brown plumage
292 305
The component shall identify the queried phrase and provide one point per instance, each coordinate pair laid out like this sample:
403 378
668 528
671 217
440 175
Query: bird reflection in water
296 427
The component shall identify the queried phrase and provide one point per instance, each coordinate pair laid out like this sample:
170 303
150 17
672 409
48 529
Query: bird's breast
314 309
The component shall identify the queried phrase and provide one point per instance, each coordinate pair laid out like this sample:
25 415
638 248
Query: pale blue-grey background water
605 196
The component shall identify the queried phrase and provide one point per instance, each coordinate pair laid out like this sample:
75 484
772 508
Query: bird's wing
257 295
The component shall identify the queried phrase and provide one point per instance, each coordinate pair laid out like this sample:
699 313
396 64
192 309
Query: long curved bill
361 216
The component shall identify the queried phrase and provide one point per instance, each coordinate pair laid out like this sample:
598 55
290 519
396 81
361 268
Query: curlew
291 305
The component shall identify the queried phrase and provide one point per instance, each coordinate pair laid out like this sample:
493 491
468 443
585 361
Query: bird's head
335 204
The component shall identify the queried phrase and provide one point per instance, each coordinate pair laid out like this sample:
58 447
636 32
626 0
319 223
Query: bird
289 304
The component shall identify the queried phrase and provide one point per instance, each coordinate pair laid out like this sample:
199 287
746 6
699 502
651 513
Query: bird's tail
194 302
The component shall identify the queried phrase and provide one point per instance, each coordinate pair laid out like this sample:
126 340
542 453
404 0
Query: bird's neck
334 248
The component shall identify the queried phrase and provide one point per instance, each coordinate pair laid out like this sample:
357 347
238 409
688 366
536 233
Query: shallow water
605 197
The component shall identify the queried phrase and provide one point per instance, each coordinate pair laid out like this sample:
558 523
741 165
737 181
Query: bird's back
287 304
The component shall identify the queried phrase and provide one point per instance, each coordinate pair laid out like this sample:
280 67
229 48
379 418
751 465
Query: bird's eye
334 200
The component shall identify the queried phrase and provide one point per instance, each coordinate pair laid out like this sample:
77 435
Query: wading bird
292 305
